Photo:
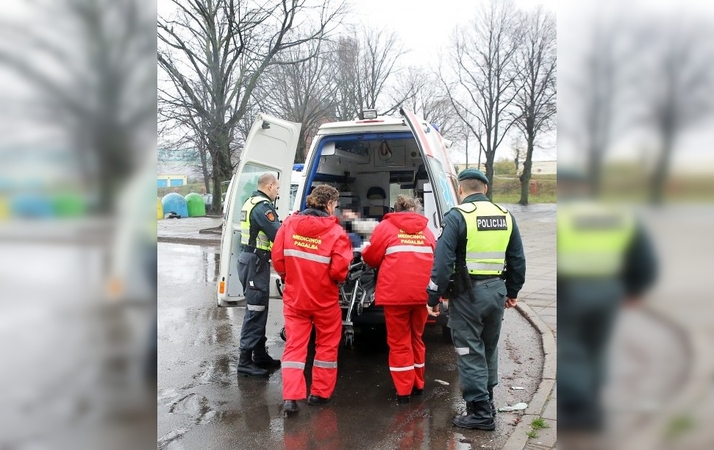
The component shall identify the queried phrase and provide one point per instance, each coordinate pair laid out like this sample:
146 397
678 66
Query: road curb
695 385
518 439
189 240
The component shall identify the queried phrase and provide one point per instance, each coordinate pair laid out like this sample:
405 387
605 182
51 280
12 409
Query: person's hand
511 302
433 311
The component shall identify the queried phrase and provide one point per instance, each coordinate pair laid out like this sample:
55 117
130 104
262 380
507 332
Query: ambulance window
293 194
245 185
443 185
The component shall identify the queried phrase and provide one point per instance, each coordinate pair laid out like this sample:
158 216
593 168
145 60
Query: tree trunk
204 168
595 169
302 143
221 163
489 173
216 201
526 175
659 177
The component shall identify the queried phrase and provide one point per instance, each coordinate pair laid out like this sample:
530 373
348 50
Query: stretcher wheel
348 337
283 336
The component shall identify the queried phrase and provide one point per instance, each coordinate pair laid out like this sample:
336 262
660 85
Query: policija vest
592 240
260 241
488 230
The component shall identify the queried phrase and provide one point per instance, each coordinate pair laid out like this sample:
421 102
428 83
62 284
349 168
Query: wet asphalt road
203 404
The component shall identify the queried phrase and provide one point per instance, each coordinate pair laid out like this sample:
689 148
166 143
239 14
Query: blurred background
635 217
77 223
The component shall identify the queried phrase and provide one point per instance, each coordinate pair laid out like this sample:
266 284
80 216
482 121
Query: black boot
247 368
290 407
490 402
477 417
262 359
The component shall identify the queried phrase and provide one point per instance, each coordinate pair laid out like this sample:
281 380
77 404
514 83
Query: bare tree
535 103
678 90
82 61
300 92
180 131
214 53
518 150
363 66
601 100
421 92
482 60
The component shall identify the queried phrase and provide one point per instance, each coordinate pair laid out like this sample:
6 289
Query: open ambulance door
442 175
270 147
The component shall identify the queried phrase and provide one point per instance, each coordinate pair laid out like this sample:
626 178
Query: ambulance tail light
222 287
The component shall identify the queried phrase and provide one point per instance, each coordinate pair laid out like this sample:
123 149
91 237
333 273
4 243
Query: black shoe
264 361
402 399
477 417
261 357
417 391
315 400
247 368
290 407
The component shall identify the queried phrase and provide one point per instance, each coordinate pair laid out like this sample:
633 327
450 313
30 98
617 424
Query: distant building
544 167
171 180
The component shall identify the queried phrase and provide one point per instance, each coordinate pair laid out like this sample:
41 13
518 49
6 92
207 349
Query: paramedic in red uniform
403 248
312 253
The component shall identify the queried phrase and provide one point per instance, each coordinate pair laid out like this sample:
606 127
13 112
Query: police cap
473 174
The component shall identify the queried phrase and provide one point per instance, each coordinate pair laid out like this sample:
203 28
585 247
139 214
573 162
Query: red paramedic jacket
312 253
403 248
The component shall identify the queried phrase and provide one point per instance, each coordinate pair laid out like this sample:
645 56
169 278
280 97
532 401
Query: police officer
605 259
259 225
479 238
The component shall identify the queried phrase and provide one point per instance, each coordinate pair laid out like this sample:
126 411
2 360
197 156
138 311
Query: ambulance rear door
270 147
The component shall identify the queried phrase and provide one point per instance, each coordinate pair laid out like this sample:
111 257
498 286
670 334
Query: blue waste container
175 203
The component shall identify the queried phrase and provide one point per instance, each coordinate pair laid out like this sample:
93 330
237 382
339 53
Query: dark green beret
472 174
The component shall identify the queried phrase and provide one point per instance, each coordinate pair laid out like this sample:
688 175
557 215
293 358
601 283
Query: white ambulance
370 161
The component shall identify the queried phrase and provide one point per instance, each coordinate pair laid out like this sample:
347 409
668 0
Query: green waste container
196 207
68 204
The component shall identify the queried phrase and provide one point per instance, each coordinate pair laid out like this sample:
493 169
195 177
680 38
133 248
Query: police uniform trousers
475 330
587 310
298 327
405 326
256 283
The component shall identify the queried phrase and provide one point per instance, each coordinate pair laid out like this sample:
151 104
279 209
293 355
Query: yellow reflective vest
592 239
488 230
261 241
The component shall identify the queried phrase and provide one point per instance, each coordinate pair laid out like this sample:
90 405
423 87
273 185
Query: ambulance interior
370 173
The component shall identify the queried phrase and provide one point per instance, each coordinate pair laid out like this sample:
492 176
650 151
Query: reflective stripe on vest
305 255
488 230
408 248
592 240
261 240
